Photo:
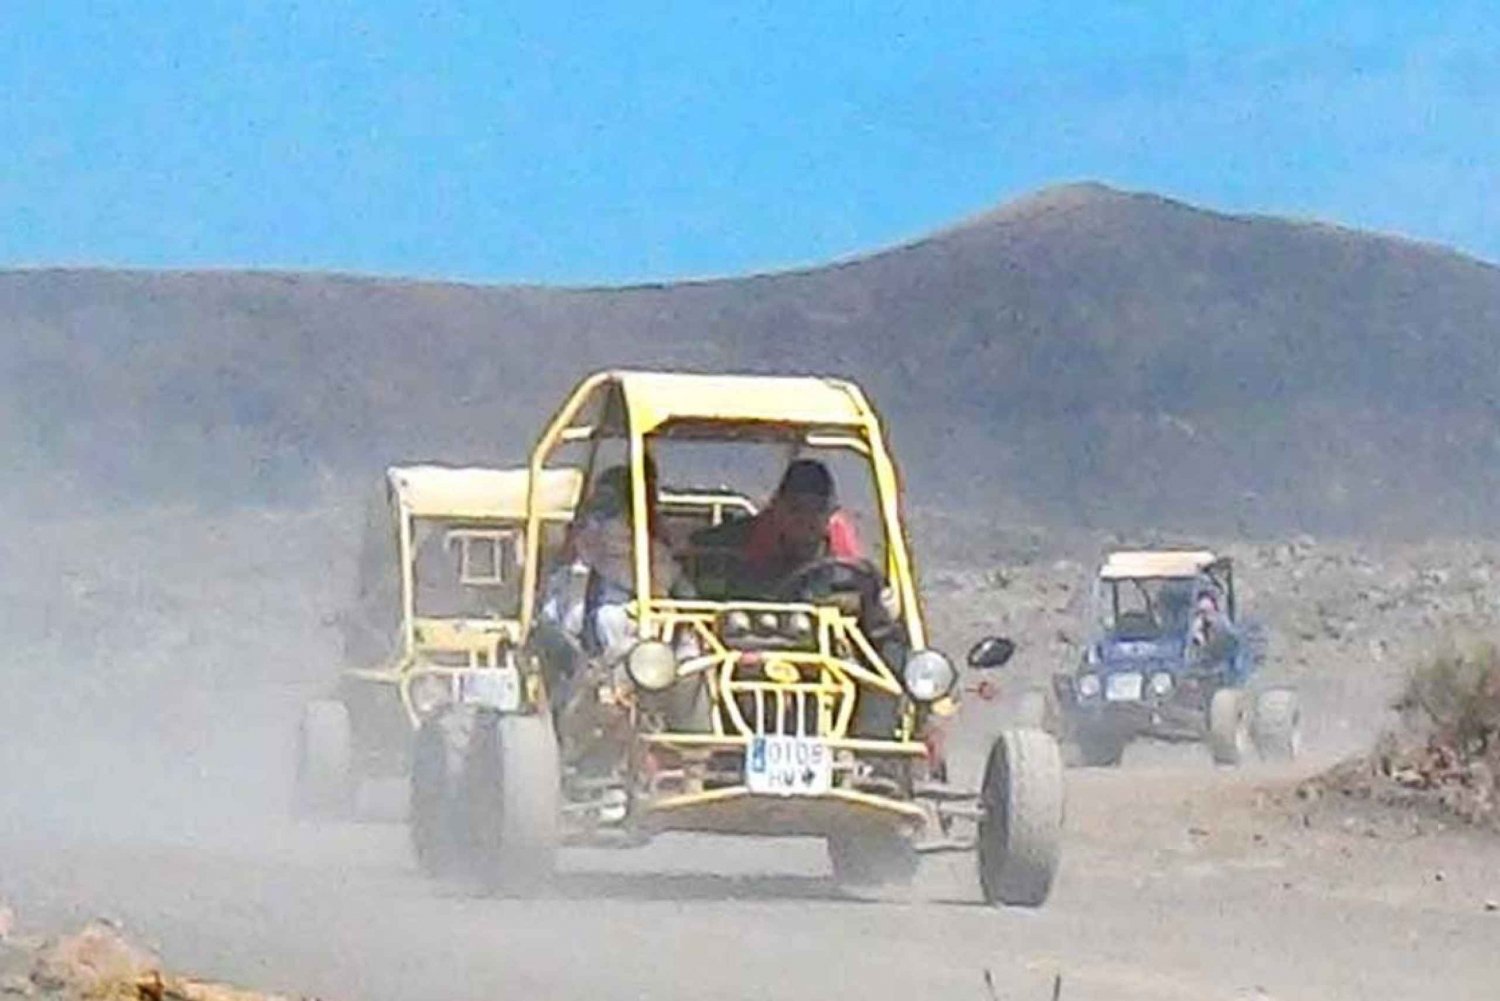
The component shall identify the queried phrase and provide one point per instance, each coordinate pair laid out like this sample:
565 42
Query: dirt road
1177 883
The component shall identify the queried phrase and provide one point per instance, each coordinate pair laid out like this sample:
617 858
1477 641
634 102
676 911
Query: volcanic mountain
1083 354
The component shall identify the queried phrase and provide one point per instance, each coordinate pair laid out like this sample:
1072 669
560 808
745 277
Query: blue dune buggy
1170 661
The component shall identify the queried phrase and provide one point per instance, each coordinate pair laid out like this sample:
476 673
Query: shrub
1454 700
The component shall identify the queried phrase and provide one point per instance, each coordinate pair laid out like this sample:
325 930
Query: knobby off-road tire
439 833
512 797
1021 818
1229 737
865 860
1278 725
325 783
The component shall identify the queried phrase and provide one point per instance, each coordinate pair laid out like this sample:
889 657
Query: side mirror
993 651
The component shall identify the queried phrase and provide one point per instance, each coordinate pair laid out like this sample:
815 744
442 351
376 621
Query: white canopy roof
474 492
1156 563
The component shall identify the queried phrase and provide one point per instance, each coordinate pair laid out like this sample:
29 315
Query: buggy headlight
430 692
799 625
929 675
652 665
1161 683
736 624
1088 685
767 623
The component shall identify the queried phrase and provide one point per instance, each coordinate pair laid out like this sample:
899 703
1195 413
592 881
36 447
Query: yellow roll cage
808 411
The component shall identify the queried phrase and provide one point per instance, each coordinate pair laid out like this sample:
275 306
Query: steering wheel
828 575
815 581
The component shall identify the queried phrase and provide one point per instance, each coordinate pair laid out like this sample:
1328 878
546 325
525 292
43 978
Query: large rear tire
511 782
325 783
1020 826
438 835
1229 738
1278 725
863 860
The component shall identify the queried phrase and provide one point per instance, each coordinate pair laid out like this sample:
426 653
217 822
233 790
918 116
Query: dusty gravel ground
145 755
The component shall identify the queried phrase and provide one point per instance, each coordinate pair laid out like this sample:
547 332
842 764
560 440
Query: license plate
495 688
788 766
1123 687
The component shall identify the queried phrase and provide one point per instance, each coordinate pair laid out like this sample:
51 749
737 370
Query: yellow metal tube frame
651 398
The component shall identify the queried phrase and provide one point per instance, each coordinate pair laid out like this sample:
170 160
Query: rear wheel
1229 738
1278 725
872 859
325 780
437 834
511 784
1020 826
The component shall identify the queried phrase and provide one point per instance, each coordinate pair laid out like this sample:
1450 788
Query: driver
800 525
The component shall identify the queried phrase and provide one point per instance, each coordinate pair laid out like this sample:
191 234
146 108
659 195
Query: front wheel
1021 816
1229 739
1278 725
511 783
438 837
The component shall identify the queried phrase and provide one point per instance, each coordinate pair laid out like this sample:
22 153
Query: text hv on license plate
495 688
788 766
1123 687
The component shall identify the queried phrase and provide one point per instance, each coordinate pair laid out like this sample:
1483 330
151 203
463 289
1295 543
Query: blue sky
602 143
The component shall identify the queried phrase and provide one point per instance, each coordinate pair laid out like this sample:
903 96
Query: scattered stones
96 962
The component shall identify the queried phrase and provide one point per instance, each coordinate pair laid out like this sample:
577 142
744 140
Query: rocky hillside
1084 354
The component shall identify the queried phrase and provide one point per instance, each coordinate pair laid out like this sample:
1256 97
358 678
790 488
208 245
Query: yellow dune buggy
435 622
687 698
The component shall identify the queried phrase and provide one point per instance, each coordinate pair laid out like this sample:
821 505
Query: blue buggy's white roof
1141 564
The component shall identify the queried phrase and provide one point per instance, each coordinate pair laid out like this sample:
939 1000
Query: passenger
607 542
588 599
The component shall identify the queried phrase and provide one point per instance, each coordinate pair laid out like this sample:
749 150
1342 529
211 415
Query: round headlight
430 692
766 622
1161 683
929 675
652 665
736 624
799 625
1088 685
